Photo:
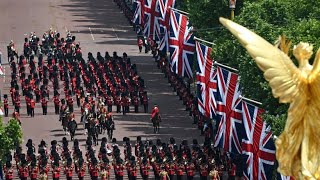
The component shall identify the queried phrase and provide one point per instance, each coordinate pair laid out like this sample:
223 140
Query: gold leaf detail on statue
298 147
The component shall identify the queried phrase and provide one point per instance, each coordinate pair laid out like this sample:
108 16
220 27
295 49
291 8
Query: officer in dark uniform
6 105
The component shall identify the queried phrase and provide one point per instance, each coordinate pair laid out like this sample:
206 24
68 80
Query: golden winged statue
298 147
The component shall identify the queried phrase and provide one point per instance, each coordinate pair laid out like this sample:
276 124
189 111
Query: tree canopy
298 20
10 135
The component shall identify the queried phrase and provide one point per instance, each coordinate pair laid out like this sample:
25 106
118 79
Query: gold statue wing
281 73
315 73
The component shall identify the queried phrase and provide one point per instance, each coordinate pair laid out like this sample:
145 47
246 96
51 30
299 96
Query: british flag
228 111
181 45
257 146
138 16
206 81
151 21
164 20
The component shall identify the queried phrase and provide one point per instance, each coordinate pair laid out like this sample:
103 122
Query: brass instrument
153 159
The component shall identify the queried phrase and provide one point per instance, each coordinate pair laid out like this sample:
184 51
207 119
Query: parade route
99 26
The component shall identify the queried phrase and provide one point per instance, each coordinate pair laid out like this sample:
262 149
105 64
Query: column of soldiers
162 160
113 79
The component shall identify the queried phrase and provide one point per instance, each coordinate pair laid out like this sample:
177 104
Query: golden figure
298 147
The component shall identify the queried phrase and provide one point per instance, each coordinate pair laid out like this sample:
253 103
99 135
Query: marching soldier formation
146 159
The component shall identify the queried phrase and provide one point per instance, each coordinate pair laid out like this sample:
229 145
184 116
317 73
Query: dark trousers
203 177
78 101
109 108
44 110
189 177
144 177
28 110
69 178
124 110
32 112
179 177
71 108
56 109
118 108
119 177
17 109
37 98
145 106
6 112
136 109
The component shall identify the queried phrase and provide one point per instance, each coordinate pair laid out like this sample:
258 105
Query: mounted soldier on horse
155 119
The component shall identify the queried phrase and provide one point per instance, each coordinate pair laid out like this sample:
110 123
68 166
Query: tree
10 135
297 19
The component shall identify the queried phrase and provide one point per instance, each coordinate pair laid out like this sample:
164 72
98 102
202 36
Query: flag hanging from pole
257 146
229 109
138 16
164 21
181 45
206 81
151 21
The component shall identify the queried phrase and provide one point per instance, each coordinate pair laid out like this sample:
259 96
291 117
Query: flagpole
183 12
250 100
198 39
227 67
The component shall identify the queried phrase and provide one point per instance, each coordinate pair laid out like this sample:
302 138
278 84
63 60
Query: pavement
99 26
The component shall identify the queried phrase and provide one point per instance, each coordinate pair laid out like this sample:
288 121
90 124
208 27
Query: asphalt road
99 26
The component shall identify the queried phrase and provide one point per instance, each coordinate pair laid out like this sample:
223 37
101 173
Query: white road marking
91 33
115 33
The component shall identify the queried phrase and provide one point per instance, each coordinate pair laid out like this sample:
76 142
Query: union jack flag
257 146
206 81
138 16
164 21
152 15
283 177
228 111
181 44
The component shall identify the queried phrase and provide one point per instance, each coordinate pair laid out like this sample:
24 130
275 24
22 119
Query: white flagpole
250 100
183 12
198 39
227 67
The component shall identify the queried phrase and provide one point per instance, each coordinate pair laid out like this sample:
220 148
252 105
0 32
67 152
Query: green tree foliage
10 135
297 19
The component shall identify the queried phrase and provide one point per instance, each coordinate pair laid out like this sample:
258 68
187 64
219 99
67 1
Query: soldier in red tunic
135 101
109 102
8 171
6 105
190 169
23 170
44 104
94 169
32 106
144 169
56 101
117 102
34 170
119 169
70 101
81 169
56 169
68 170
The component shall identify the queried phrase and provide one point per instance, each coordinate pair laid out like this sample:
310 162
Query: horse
156 119
102 122
72 126
93 131
110 127
64 118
